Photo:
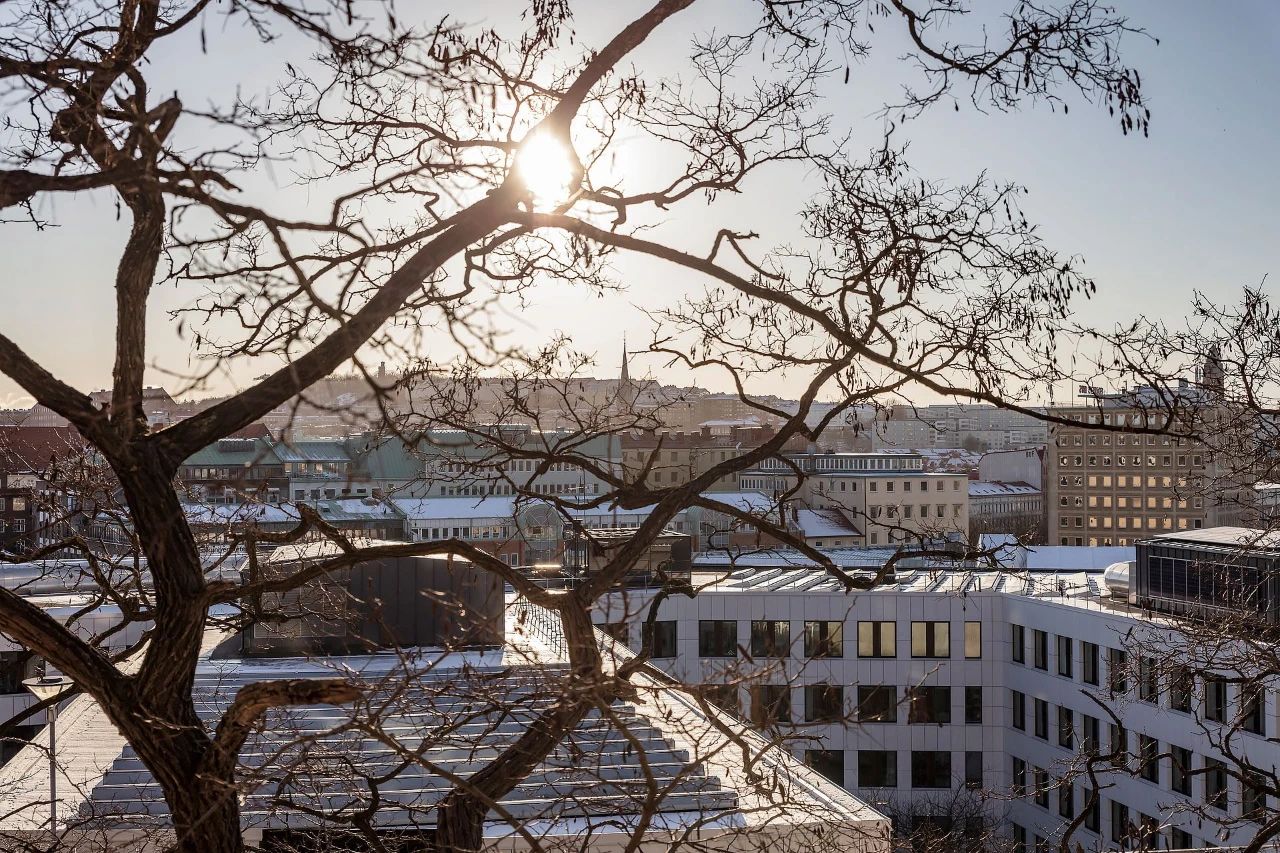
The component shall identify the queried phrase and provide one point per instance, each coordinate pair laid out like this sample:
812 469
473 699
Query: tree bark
163 725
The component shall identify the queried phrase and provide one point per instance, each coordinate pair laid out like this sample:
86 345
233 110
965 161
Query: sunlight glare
546 168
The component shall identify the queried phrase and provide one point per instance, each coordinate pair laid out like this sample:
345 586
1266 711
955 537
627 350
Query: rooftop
454 711
992 488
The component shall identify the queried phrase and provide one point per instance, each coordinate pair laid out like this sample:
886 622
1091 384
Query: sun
546 167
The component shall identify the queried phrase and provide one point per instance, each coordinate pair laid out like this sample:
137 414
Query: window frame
705 640
930 632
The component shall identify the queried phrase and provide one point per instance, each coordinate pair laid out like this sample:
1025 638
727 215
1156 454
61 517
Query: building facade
984 428
888 495
1105 487
950 691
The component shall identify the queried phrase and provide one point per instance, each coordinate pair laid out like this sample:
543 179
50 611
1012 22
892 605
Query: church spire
625 378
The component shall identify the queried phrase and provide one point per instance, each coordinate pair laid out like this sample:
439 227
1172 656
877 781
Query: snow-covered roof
242 513
755 502
814 523
994 488
584 790
435 509
1054 558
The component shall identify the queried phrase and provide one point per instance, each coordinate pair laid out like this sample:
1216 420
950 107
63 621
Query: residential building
888 495
974 427
673 458
463 463
1016 508
1025 465
46 475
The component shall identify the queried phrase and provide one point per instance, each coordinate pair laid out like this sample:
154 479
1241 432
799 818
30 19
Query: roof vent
1117 578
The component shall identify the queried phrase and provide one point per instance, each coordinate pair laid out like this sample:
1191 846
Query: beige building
1108 488
888 495
675 458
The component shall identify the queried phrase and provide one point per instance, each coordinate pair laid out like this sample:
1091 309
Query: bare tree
427 143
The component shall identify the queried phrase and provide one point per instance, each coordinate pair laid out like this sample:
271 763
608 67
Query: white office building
949 687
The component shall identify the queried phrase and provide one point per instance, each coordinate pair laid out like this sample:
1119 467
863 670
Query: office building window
972 640
1148 758
1019 834
1019 777
877 640
1018 643
1066 798
1042 719
1018 708
770 638
1092 810
717 638
877 768
877 703
1091 741
929 705
824 640
1148 687
661 636
823 703
1118 745
1253 797
617 630
1180 839
1215 700
1119 822
1041 782
1180 769
930 769
1181 689
722 696
770 704
1089 662
973 770
1252 706
1066 728
930 639
1040 649
1148 832
973 705
1064 657
1215 784
1117 670
828 762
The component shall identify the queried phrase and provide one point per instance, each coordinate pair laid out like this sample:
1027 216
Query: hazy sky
1192 207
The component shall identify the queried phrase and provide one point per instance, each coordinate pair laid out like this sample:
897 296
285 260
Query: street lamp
46 687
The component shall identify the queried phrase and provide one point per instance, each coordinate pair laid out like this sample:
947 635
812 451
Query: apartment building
1108 488
955 686
970 426
674 458
889 495
999 507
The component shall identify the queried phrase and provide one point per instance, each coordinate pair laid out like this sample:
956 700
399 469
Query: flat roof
1245 538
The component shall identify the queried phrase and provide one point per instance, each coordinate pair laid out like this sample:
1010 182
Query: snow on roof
824 523
756 502
1231 537
994 488
1068 586
1054 558
432 509
778 558
242 513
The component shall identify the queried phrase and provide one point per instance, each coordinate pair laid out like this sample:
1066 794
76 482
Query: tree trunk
163 725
